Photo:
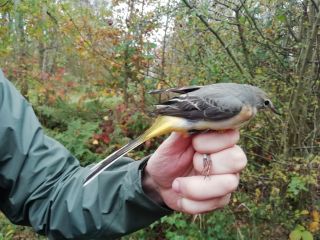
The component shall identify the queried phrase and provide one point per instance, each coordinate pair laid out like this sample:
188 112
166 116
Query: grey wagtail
218 106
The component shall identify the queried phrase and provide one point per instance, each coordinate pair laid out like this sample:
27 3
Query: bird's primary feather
201 108
181 90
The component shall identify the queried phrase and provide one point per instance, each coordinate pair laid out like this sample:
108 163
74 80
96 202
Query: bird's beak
273 109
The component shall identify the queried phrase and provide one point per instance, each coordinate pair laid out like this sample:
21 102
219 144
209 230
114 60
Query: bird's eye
267 102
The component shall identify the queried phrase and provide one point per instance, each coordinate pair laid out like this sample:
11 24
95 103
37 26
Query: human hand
174 173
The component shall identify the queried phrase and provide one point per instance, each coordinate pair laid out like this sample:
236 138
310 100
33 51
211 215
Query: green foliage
300 233
217 225
137 123
87 72
12 232
296 186
76 139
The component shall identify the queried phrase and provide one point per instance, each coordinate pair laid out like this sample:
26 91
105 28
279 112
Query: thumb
175 144
172 159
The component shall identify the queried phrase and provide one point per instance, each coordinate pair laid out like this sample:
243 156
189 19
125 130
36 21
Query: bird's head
262 101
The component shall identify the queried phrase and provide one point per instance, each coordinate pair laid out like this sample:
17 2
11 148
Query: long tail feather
162 125
111 159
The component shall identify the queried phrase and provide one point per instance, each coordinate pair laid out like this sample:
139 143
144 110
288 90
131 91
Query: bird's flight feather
211 103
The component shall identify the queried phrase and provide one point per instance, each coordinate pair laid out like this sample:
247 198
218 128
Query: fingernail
176 186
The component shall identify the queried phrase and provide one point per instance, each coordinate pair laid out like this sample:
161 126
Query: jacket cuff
135 202
146 201
143 163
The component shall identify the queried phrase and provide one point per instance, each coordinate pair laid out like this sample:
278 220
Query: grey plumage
214 102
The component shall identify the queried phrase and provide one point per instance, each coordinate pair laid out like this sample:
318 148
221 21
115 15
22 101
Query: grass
9 231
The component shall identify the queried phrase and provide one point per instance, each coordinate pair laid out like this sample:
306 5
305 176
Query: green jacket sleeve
41 183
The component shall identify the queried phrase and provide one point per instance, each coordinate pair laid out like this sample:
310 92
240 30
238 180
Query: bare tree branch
52 17
243 43
223 44
261 34
4 4
308 51
315 5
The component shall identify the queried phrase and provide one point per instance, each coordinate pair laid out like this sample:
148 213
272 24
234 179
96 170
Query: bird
219 106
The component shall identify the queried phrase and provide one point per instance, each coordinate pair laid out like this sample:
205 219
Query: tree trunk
20 49
300 128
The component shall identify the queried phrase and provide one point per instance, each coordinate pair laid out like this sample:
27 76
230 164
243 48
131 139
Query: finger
200 188
231 160
215 141
196 207
175 143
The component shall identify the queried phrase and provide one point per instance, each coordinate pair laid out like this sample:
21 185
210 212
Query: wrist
150 187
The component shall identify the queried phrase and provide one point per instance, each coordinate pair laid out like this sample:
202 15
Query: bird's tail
162 125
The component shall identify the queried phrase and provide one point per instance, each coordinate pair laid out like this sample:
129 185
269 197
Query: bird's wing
181 90
208 107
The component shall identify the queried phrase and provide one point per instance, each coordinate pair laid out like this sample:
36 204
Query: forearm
41 183
112 205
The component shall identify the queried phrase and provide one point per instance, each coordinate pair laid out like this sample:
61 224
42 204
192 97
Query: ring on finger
207 165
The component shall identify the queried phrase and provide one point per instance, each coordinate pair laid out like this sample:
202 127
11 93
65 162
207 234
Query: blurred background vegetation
87 65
